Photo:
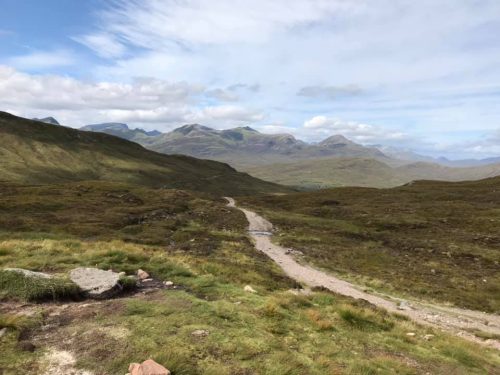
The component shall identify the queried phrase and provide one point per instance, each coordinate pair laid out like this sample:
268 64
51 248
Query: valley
389 273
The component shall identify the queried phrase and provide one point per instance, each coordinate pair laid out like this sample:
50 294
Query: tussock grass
18 286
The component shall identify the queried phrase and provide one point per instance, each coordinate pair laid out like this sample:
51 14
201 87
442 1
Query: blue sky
418 75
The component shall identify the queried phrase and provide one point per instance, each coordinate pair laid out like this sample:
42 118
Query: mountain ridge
38 153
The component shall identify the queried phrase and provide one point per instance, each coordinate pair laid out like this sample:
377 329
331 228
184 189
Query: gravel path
454 320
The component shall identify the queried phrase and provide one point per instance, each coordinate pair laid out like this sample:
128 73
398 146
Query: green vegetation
16 285
435 240
33 152
335 172
195 241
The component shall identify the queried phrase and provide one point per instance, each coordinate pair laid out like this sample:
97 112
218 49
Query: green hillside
37 153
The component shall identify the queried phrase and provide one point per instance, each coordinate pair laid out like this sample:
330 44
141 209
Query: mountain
468 162
36 153
122 131
244 146
48 120
406 156
331 172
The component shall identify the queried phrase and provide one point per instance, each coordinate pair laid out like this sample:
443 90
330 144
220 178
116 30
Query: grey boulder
96 283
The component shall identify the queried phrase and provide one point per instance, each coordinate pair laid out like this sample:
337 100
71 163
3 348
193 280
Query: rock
3 331
410 334
147 280
428 337
168 283
148 367
28 273
248 288
96 283
142 275
200 333
403 305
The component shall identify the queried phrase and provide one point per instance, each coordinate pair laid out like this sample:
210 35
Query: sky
419 75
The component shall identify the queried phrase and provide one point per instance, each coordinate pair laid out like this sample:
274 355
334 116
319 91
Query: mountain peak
186 129
336 140
248 128
48 120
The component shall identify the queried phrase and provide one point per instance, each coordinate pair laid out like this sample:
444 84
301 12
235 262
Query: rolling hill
332 172
36 153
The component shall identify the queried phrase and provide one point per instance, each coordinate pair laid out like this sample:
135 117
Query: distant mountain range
242 146
281 158
333 172
121 130
35 152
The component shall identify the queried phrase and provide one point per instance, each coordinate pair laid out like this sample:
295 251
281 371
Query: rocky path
454 320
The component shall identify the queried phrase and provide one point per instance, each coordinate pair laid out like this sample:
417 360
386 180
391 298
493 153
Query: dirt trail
455 320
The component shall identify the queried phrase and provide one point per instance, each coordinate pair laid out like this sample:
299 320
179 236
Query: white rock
96 283
248 288
141 274
410 334
200 333
403 305
168 283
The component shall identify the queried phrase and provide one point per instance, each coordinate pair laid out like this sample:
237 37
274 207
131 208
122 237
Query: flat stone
96 283
200 333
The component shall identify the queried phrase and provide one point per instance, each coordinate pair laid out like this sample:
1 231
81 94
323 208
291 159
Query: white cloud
105 45
144 100
230 113
223 95
166 22
330 92
42 60
363 133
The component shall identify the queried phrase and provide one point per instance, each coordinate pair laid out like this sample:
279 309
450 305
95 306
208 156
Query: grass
195 241
33 152
16 285
433 240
